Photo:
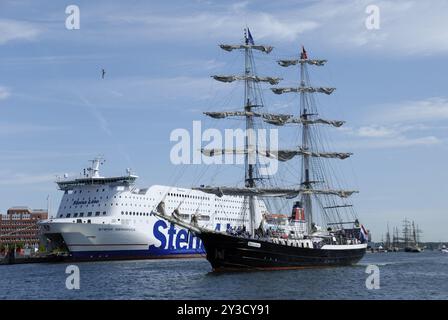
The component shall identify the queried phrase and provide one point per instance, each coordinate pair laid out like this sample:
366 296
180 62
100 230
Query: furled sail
231 78
283 121
219 152
287 63
281 155
271 118
304 89
266 116
230 47
271 192
285 155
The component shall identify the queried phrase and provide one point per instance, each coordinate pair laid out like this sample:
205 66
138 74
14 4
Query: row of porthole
88 191
135 213
187 196
81 214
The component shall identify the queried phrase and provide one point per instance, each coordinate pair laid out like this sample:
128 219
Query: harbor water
402 276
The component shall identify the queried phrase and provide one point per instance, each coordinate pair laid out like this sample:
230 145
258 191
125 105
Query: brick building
19 225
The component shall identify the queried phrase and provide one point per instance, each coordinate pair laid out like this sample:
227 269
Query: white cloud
21 128
376 131
431 109
4 93
393 142
407 27
17 30
26 178
404 124
223 25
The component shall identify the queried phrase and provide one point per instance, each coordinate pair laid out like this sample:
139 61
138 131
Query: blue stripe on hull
152 253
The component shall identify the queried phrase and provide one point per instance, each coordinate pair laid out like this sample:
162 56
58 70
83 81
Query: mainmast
250 102
308 119
306 182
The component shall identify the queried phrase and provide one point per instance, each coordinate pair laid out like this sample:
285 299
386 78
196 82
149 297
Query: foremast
252 100
306 143
248 161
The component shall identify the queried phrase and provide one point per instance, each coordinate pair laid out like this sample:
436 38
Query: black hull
227 253
412 249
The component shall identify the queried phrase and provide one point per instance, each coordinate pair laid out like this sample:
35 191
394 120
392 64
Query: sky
56 112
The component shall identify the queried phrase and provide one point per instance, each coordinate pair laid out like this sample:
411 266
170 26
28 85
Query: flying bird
103 73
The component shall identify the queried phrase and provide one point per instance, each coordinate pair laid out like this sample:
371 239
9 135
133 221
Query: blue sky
56 112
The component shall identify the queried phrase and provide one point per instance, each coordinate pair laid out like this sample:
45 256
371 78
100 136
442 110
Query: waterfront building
19 226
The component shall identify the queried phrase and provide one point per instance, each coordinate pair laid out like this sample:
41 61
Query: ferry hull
100 242
230 253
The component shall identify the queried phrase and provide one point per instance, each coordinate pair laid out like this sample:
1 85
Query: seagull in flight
103 73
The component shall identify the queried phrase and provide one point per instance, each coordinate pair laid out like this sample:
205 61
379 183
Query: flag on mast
303 55
249 38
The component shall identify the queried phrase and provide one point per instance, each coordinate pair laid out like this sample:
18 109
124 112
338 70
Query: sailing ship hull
232 253
412 249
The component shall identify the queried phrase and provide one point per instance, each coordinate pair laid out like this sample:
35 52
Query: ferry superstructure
102 218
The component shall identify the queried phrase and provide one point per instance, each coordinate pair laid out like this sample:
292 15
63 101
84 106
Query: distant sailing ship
283 241
411 236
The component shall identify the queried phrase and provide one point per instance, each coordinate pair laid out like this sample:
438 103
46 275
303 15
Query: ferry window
68 215
122 213
89 214
97 214
104 213
81 214
103 190
88 221
60 216
75 214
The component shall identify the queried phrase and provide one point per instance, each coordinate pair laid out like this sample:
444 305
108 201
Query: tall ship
320 228
106 218
411 236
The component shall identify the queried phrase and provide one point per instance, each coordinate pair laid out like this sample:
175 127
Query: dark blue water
402 276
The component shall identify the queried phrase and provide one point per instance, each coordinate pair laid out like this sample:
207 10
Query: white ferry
107 218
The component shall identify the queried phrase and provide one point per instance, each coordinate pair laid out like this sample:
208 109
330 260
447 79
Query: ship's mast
249 163
306 183
251 96
388 237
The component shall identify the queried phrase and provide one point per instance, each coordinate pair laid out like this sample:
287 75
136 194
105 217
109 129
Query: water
402 276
